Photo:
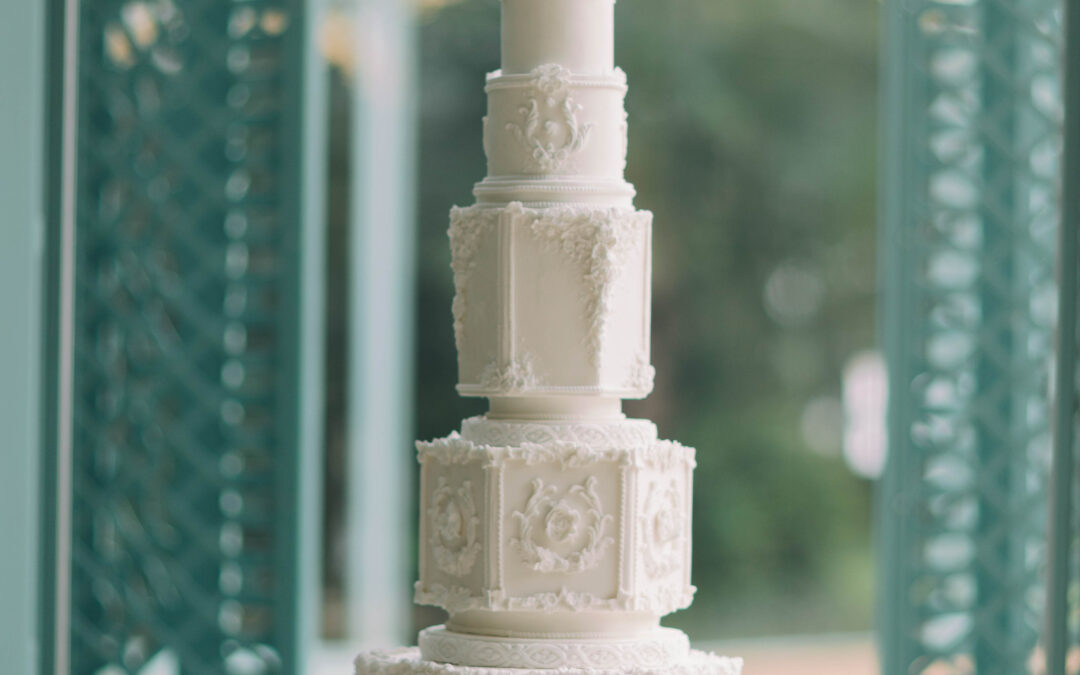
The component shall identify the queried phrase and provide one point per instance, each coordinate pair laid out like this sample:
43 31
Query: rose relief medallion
562 531
662 529
455 542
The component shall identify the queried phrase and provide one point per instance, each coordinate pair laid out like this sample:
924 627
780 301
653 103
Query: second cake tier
552 301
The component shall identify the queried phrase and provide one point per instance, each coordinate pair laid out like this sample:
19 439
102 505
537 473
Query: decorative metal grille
968 253
186 368
1063 610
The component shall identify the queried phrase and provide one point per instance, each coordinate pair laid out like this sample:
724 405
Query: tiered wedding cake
554 531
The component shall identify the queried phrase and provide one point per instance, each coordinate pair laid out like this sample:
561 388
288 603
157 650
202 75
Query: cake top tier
576 34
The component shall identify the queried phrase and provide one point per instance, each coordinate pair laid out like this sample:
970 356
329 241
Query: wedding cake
553 530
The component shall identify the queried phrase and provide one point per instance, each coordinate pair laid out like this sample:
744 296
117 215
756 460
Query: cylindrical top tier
576 34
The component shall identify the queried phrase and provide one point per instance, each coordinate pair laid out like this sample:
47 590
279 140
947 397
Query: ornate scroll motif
454 540
573 527
662 529
550 129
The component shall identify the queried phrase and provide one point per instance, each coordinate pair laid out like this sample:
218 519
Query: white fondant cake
554 531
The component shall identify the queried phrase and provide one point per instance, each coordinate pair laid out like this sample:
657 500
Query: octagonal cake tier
552 301
555 529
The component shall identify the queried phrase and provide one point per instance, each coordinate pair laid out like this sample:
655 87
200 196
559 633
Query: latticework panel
185 444
968 253
1063 600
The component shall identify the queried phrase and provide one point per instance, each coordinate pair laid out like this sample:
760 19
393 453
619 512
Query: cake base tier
408 661
656 649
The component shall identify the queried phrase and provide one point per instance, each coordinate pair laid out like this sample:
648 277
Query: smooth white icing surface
547 191
555 625
577 34
552 408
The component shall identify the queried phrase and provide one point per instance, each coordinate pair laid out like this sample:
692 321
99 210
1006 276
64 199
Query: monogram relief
550 130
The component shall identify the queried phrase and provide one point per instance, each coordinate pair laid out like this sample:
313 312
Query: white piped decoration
454 540
662 529
574 521
549 130
514 377
554 531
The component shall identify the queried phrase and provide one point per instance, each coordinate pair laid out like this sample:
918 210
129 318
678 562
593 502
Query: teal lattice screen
191 228
973 118
1063 610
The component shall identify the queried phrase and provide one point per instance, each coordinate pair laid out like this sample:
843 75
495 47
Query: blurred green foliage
752 139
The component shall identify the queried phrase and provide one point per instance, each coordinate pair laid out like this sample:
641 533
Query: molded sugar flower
562 523
552 79
665 525
451 524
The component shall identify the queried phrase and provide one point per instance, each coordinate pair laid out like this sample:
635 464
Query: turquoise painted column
380 379
995 410
1063 575
312 179
197 323
22 225
969 221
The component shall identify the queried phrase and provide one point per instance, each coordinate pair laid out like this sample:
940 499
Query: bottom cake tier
408 661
